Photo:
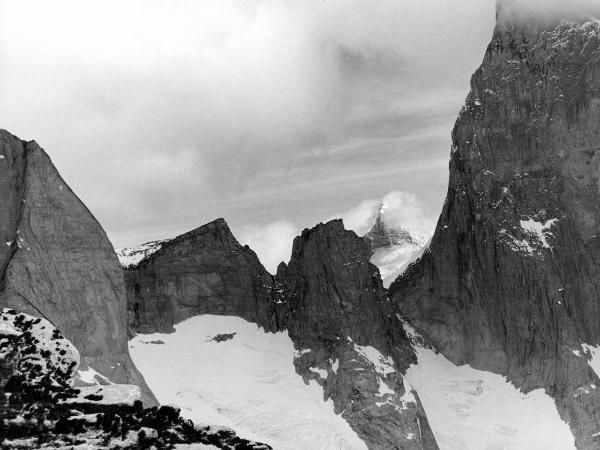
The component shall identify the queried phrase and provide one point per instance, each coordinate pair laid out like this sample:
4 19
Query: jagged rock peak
218 229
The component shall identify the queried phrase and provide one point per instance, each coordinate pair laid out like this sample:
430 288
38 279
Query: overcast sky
164 115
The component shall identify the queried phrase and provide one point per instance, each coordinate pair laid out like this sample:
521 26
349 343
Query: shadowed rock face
205 271
511 280
57 263
330 300
336 310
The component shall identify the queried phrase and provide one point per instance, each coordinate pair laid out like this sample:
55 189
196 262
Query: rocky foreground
42 409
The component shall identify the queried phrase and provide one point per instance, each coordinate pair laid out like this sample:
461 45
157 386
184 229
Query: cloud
361 217
400 210
231 92
545 12
272 242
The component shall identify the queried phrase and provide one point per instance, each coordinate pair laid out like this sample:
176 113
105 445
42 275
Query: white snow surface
471 409
247 383
132 256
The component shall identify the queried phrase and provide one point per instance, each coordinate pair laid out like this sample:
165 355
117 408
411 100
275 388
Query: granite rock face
330 300
205 271
511 279
336 310
57 263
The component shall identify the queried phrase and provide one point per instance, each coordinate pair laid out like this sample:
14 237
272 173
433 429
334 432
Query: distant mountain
392 247
132 256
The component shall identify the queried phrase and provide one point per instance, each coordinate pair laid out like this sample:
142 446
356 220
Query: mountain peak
382 235
130 257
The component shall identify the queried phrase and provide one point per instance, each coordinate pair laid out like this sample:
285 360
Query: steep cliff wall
57 262
511 279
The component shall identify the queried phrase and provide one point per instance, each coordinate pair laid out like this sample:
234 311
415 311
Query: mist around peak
535 14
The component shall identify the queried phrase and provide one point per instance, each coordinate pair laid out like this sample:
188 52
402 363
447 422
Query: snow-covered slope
471 409
132 256
225 370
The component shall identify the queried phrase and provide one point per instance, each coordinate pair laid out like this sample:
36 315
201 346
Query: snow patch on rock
91 376
592 354
539 230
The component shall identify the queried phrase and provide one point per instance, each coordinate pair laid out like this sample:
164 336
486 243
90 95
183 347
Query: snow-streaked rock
132 256
247 383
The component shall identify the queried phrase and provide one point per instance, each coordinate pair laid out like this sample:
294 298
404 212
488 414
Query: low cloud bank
400 210
273 242
545 12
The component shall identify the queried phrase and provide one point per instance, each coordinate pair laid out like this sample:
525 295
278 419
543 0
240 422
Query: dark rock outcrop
511 280
205 271
329 298
336 311
56 261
